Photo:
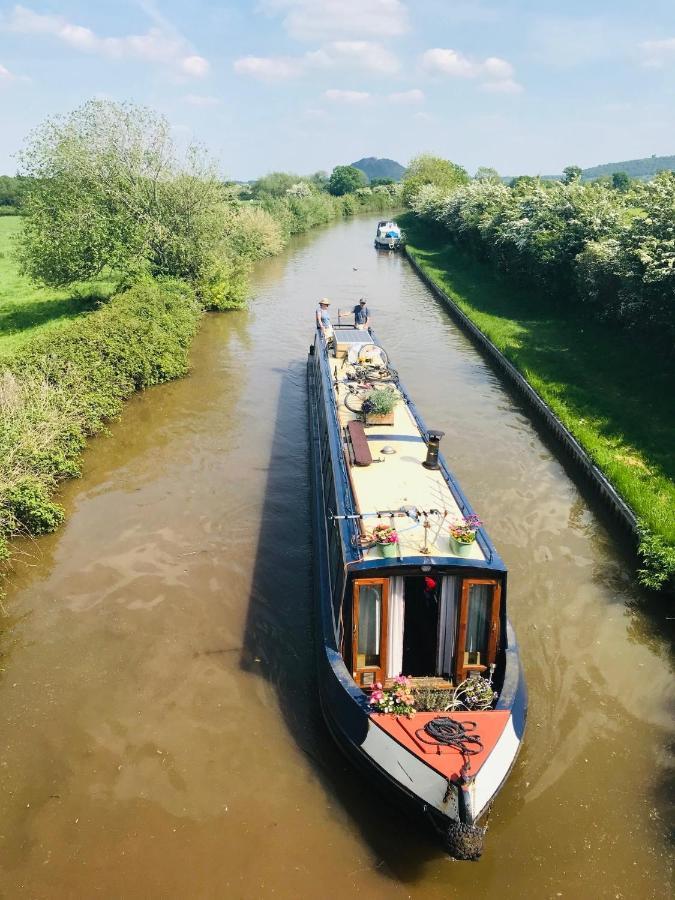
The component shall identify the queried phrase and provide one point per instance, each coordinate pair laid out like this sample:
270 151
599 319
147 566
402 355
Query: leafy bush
64 386
658 560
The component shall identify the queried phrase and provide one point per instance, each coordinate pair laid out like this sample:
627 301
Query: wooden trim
461 670
378 671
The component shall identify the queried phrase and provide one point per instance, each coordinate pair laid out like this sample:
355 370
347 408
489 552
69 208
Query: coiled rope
452 733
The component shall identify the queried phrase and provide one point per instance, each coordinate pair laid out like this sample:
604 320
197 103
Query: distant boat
420 611
388 236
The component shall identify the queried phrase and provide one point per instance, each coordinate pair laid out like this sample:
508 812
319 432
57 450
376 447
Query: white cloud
363 54
157 45
496 74
5 74
268 68
336 55
201 100
351 97
657 54
327 20
413 96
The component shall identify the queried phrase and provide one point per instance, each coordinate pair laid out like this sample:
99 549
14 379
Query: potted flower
463 534
397 699
386 538
378 406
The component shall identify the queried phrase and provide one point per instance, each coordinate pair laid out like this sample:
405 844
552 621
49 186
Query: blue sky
302 85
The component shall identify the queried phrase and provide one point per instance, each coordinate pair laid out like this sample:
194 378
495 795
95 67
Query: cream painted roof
401 480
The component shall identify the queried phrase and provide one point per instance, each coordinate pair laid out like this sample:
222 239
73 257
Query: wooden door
370 613
478 628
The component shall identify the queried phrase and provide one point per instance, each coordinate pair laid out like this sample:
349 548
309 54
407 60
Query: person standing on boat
323 319
361 315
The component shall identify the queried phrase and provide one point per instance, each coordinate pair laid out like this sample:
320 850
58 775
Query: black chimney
433 441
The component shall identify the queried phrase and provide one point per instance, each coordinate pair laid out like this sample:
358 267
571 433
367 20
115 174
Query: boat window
478 627
369 616
478 624
370 625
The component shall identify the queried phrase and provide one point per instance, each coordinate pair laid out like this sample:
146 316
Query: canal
160 729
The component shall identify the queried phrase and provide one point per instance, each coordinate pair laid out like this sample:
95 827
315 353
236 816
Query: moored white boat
388 235
422 619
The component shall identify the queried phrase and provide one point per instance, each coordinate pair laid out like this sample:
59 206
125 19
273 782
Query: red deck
446 760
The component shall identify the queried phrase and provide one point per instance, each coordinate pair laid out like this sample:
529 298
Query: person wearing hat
323 319
361 315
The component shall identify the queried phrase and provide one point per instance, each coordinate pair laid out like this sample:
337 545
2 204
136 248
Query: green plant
428 699
474 692
380 402
658 558
27 508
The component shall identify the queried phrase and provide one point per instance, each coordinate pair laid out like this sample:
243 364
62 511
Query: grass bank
25 310
609 390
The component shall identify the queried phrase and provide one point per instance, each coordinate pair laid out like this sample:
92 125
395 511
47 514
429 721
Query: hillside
372 167
637 168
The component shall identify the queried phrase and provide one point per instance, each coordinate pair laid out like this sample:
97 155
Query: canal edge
565 439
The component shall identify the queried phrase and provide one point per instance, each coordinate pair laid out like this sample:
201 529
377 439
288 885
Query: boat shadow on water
279 641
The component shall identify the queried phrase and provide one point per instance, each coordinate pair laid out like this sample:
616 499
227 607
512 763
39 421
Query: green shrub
65 384
27 508
658 560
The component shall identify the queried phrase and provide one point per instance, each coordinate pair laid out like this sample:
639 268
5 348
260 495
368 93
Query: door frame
462 671
378 672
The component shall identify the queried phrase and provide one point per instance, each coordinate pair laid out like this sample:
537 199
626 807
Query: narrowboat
388 236
419 674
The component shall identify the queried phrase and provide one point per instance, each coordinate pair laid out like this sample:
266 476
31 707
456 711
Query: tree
379 182
274 184
107 191
345 180
620 181
571 174
442 174
486 173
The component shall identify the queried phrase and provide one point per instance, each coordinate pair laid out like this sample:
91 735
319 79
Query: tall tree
107 190
345 180
571 174
620 181
425 169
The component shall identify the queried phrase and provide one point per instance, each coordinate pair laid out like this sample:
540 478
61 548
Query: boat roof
396 489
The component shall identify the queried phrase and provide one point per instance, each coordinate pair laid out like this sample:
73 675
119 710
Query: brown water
160 730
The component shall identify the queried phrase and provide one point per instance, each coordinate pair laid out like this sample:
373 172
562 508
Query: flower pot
388 549
460 549
380 418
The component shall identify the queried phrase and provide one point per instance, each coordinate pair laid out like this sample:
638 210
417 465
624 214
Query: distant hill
637 168
379 168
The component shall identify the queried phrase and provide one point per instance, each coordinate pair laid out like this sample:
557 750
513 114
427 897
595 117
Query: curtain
447 625
396 616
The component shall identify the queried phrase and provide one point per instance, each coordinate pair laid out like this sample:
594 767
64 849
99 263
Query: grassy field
26 309
607 386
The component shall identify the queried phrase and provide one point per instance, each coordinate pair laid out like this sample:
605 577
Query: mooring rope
452 733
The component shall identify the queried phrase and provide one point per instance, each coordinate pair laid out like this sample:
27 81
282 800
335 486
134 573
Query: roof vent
433 442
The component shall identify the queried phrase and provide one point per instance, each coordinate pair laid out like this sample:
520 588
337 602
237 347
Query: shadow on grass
29 314
279 642
618 384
